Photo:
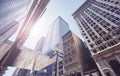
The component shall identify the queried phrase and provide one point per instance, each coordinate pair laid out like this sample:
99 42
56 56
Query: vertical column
57 69
117 58
99 68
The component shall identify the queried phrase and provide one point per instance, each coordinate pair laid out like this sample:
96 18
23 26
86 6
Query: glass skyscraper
11 13
54 37
11 10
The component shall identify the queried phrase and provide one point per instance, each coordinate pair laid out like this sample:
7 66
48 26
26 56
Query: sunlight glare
39 29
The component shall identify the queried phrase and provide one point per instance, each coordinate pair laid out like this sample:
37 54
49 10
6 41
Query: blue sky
55 8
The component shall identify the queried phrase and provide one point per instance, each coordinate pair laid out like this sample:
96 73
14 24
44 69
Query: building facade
11 13
8 31
40 44
55 32
11 10
99 23
71 44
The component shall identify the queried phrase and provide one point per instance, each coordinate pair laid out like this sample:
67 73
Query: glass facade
10 10
54 37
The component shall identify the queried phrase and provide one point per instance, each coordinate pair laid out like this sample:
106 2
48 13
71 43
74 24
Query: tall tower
10 13
40 44
10 10
55 32
36 11
7 31
99 23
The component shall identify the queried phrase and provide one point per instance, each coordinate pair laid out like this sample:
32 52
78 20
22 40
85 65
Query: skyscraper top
55 32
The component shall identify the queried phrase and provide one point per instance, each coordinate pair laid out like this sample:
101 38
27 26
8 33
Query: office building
11 13
40 44
99 23
54 36
71 59
4 48
8 31
36 11
11 10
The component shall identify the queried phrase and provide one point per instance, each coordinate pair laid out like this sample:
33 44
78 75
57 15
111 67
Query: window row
67 36
93 24
72 66
109 44
108 7
107 15
102 22
112 1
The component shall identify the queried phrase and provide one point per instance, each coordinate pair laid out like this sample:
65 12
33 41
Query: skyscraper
11 13
55 32
99 23
7 31
36 11
11 9
40 44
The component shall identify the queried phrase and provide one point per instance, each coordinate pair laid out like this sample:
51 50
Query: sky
55 8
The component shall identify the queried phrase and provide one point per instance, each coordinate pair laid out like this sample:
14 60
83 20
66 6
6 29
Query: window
100 34
97 30
93 38
66 61
118 12
115 42
86 37
68 49
91 45
100 29
116 2
113 27
88 41
109 29
94 51
93 33
112 43
84 34
119 39
96 37
102 47
105 39
70 59
104 32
